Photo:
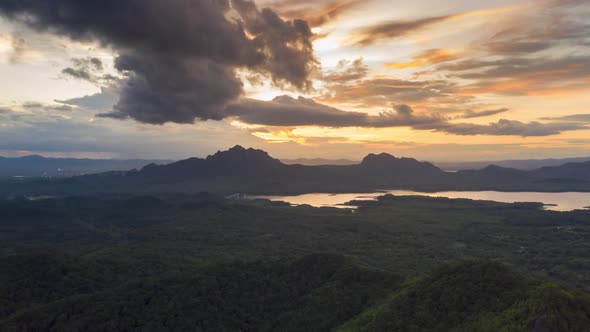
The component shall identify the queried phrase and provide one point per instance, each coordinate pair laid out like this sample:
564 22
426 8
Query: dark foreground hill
240 170
319 292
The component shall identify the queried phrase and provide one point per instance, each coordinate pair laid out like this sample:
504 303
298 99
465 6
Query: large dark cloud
285 111
178 56
288 111
177 90
89 69
286 45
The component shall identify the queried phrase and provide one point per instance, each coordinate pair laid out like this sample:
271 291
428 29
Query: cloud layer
285 111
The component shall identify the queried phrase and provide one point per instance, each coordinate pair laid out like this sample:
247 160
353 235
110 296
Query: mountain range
452 166
39 166
255 172
524 164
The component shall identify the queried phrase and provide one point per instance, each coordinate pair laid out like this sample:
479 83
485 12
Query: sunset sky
433 80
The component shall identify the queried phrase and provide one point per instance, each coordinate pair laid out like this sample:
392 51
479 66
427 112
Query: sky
451 80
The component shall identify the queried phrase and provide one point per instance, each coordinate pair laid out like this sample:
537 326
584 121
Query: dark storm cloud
87 69
287 45
285 111
395 29
178 56
77 73
163 90
180 27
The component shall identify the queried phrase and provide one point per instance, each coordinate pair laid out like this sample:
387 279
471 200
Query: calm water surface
566 201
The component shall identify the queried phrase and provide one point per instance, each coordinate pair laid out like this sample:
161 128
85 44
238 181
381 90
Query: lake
566 201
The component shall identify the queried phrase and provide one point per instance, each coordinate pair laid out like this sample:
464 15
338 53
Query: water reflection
566 201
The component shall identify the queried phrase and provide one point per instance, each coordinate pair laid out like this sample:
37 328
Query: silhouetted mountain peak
493 168
240 155
33 157
149 166
237 161
378 158
385 164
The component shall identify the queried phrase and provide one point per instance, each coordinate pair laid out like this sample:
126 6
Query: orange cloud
308 10
400 28
425 58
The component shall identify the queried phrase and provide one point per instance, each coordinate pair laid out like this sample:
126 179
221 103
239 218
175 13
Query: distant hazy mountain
576 171
241 170
38 166
525 164
318 161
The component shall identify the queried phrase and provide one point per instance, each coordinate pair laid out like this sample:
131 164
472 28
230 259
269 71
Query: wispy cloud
480 114
585 118
395 29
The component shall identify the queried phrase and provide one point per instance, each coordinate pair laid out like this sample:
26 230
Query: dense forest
203 262
319 292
